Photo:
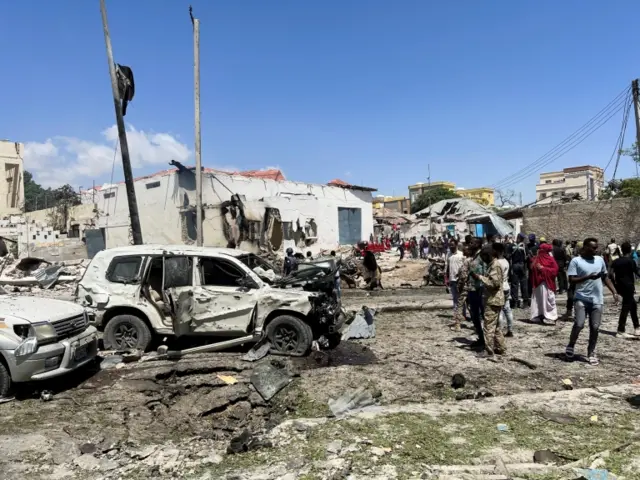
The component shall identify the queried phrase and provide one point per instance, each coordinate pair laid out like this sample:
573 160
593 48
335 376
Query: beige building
481 195
12 182
585 181
397 204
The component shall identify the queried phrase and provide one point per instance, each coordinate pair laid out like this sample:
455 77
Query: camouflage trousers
493 336
458 308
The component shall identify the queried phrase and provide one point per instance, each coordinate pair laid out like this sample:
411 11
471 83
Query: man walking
519 273
560 256
453 271
588 272
624 271
498 252
477 268
492 281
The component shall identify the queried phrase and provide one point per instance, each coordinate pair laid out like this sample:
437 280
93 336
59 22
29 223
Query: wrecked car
41 338
138 292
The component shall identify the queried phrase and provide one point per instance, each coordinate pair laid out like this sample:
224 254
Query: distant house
585 181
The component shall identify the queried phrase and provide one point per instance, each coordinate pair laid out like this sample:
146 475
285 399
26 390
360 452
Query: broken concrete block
268 380
363 325
351 400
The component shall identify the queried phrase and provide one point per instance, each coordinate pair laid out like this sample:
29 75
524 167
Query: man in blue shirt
587 272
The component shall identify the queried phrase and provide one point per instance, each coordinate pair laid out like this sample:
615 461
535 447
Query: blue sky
369 91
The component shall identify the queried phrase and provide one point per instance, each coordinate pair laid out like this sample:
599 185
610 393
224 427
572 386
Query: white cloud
61 160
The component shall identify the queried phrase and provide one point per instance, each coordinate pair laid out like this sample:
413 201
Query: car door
217 304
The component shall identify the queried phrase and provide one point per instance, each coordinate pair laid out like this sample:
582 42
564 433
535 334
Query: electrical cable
570 142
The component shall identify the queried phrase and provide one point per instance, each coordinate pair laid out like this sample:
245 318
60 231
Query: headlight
29 346
44 332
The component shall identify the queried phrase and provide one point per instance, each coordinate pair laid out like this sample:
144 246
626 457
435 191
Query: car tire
289 336
5 380
127 332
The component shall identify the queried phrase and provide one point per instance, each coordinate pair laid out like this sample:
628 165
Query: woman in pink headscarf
544 270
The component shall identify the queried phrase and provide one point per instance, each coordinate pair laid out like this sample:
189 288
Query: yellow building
482 195
419 188
397 204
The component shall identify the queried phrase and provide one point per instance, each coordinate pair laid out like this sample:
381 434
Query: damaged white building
250 210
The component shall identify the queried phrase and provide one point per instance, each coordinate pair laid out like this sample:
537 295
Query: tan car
137 292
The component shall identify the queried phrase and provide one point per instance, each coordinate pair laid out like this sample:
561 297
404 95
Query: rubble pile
30 275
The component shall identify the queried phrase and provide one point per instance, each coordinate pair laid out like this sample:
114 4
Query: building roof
336 182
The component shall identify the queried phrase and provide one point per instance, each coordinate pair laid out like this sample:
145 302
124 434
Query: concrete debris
268 379
353 400
363 325
246 442
259 350
46 395
546 457
268 275
36 272
110 361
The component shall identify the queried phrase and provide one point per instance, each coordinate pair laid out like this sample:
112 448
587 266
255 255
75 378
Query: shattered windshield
252 261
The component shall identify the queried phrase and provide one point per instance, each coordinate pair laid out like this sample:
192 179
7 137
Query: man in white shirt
453 264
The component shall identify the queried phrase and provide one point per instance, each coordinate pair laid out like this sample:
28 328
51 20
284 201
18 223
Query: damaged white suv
136 292
42 338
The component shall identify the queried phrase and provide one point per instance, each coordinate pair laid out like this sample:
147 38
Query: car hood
37 309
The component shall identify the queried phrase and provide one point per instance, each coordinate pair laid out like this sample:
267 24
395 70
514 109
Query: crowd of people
489 278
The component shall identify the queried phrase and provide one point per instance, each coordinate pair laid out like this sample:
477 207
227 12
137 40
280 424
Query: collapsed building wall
249 213
603 220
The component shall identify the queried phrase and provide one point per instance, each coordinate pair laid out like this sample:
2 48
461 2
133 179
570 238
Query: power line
570 142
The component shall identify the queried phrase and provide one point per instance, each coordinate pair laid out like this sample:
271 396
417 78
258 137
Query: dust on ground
176 419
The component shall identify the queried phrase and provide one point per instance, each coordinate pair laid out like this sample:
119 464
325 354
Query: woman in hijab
371 271
544 270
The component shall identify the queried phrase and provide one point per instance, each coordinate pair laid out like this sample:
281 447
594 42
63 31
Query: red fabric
549 270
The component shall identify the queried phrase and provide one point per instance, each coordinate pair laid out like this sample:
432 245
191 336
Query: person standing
290 264
477 268
453 271
624 271
401 249
560 256
493 282
588 272
571 291
498 250
519 273
613 251
544 270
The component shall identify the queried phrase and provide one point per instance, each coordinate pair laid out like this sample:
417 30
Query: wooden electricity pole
196 88
136 231
635 90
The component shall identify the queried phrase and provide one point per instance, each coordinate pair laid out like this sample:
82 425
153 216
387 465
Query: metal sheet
95 241
349 225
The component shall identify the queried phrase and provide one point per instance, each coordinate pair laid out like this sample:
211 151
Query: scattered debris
524 362
502 427
228 379
132 356
269 379
46 395
352 400
546 457
110 361
568 384
458 381
594 418
474 396
87 448
363 325
246 442
258 351
594 474
558 418
334 447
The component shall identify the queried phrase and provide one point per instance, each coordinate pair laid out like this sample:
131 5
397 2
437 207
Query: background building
396 204
419 188
482 195
12 186
585 181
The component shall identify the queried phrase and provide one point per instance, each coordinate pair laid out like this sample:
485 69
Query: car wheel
289 336
127 332
5 380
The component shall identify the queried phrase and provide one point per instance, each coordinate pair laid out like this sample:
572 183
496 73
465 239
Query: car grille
70 326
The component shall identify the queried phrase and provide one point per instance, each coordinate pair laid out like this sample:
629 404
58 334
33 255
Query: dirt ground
175 419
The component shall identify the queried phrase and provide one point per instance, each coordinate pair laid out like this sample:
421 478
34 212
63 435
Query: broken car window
124 269
252 261
220 273
177 272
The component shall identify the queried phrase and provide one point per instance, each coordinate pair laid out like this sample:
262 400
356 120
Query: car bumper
54 359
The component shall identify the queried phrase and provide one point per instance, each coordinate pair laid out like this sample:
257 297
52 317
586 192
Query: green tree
625 188
38 198
432 196
631 152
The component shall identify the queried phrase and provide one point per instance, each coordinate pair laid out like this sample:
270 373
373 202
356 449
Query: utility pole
429 182
520 198
136 231
196 88
635 89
